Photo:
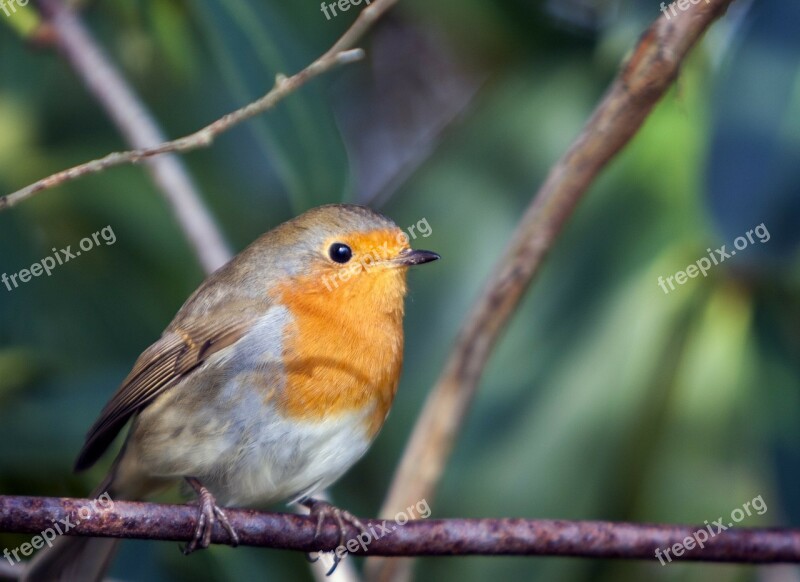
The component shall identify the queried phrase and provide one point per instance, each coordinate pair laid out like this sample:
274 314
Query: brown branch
639 85
429 537
339 54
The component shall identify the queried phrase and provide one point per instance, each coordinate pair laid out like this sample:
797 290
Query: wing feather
167 362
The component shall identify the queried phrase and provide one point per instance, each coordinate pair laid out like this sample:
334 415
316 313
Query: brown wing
168 361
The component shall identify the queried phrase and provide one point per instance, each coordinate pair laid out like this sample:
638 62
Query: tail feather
72 559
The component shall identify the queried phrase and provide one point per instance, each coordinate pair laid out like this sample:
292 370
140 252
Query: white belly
243 450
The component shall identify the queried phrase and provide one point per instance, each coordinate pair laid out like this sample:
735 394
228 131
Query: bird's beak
411 257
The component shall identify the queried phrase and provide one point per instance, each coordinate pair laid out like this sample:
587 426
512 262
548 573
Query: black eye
340 252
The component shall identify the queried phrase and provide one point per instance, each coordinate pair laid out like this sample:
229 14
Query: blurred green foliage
606 399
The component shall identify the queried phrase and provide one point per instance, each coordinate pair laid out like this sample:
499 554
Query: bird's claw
323 510
209 513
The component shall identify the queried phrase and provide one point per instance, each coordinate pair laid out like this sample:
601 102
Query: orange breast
345 350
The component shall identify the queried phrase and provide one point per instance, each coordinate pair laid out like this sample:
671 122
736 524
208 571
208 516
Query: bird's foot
209 512
324 510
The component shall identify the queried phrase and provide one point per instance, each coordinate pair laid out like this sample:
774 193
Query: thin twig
339 54
140 130
422 537
640 84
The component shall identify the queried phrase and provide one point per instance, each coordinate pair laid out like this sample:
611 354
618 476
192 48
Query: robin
272 380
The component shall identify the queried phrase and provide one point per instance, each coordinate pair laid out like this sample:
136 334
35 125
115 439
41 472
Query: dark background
606 398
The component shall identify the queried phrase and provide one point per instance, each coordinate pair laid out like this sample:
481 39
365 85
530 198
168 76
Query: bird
272 380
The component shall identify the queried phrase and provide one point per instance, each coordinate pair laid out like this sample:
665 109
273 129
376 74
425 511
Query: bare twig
339 54
640 84
430 537
140 130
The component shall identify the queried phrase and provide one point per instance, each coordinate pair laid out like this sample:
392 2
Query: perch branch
428 537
